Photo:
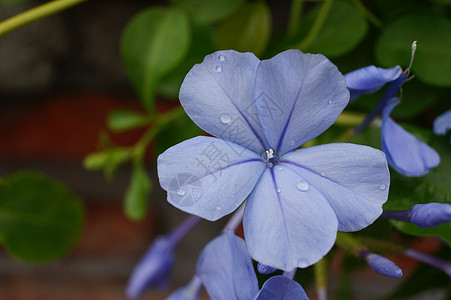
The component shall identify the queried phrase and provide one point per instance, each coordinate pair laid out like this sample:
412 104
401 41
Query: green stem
316 27
347 242
368 14
35 14
159 123
295 16
320 270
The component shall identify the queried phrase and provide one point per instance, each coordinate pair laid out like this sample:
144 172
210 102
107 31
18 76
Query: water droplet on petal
302 186
280 169
218 208
382 186
218 69
323 174
303 263
180 192
292 142
225 118
279 190
221 57
331 101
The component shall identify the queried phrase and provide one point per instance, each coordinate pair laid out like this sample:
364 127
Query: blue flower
153 270
225 268
405 153
381 265
260 112
442 124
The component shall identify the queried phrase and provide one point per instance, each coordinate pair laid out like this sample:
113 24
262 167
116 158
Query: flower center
270 158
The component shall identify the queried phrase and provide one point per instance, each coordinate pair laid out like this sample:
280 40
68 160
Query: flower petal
287 225
353 178
370 79
281 288
226 269
405 153
218 95
208 177
298 96
442 124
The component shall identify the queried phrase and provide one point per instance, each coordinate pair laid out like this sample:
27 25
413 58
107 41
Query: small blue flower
381 265
153 270
430 214
260 112
225 268
405 153
442 124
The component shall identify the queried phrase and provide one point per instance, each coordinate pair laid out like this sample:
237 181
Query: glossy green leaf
40 219
249 29
432 63
154 43
124 119
343 29
137 195
204 12
108 160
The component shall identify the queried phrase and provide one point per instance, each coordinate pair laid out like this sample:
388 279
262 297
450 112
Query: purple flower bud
382 265
264 269
430 215
440 264
153 269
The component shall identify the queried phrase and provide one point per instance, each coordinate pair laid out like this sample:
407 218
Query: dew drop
279 190
292 142
218 69
302 186
323 174
280 169
225 118
382 186
218 208
221 57
331 101
303 263
180 192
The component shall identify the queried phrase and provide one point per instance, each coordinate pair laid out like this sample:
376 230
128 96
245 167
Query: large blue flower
260 112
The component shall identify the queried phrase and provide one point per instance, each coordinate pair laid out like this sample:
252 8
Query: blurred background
60 77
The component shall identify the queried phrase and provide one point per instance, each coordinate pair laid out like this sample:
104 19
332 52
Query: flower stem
295 16
35 14
320 269
235 219
440 264
290 274
179 233
368 14
399 215
316 27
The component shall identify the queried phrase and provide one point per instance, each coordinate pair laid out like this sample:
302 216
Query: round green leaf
432 63
153 43
342 30
204 12
137 194
40 219
248 29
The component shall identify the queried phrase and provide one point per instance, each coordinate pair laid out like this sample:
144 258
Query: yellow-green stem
368 14
295 16
317 25
35 14
320 269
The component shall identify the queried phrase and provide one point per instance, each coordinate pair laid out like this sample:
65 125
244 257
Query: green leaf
108 160
432 63
248 29
136 197
343 29
433 187
179 130
205 12
153 43
11 2
124 119
40 219
201 46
